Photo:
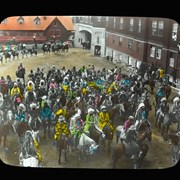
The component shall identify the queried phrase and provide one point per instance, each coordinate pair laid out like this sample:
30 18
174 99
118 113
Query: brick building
28 29
132 40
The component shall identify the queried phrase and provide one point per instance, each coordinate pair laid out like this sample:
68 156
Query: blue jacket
46 113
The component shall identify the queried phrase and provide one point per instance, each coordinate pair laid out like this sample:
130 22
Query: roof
12 23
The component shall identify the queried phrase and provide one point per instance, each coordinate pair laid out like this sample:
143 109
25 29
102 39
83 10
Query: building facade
39 29
133 40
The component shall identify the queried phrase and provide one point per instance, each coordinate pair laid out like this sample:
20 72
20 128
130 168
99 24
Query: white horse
87 146
28 155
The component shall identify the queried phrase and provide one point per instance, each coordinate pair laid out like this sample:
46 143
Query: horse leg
117 153
59 161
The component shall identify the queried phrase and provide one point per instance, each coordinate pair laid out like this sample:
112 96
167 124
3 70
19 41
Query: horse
29 155
167 89
175 146
4 89
86 146
32 51
1 58
62 145
56 48
15 54
5 125
65 48
7 55
134 151
101 136
46 48
151 84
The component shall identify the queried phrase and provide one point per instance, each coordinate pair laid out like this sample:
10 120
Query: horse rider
15 90
90 118
126 126
30 86
53 84
76 127
61 127
159 94
104 118
2 82
21 115
175 105
141 115
163 108
46 113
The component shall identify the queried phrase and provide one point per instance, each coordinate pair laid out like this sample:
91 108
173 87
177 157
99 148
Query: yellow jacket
61 127
15 90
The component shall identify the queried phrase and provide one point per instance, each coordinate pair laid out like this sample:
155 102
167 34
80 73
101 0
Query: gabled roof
28 24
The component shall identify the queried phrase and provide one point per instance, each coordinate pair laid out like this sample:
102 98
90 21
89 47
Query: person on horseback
90 117
176 104
141 113
46 112
21 115
76 128
104 118
159 94
2 83
163 108
126 126
15 90
60 128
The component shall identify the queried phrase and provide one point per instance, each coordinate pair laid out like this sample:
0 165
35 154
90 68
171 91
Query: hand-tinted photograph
98 92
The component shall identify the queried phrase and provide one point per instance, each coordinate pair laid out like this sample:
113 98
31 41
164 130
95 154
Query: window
131 24
155 52
98 18
4 21
174 31
157 27
120 41
98 40
160 28
114 22
139 26
152 51
121 23
130 43
37 20
154 27
20 20
158 53
107 21
138 46
113 39
172 60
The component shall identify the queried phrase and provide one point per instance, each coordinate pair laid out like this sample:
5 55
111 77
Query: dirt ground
158 156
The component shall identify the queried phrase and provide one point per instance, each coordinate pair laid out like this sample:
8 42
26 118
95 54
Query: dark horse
144 132
4 89
167 90
101 136
63 144
175 143
46 48
151 84
5 127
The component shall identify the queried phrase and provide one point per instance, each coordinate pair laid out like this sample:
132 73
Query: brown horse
4 132
167 89
151 84
63 144
175 143
4 89
144 132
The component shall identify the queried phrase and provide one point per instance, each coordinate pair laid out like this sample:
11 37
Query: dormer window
4 21
37 20
44 17
20 20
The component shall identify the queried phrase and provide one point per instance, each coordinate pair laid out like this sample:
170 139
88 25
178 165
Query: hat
131 117
90 110
163 99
